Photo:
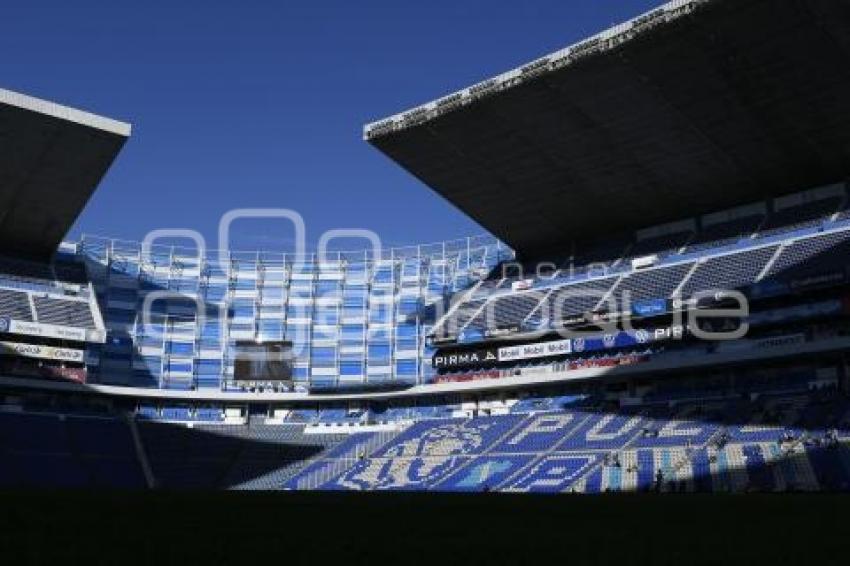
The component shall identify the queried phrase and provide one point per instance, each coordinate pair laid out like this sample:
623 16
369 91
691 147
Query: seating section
49 310
728 272
15 305
768 435
229 456
465 314
48 451
735 269
507 310
574 300
809 253
652 284
352 321
63 312
777 442
360 321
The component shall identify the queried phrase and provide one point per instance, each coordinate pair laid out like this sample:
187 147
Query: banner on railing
540 350
12 326
650 307
41 352
465 359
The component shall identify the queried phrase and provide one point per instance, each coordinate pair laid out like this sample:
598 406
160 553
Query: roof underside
723 102
51 161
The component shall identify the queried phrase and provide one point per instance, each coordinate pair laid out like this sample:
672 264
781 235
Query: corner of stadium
647 354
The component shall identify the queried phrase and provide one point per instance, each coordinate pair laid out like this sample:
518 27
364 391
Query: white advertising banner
540 350
43 330
41 352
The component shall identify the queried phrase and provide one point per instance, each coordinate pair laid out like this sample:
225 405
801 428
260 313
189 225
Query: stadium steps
581 482
699 456
675 464
796 467
536 309
233 460
770 263
734 468
72 449
609 293
677 292
139 448
629 470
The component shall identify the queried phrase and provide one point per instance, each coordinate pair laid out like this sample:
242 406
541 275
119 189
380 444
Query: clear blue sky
261 104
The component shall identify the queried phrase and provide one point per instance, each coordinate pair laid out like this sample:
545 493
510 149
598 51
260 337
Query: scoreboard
263 361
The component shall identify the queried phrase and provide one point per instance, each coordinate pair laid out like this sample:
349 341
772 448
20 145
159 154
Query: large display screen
263 361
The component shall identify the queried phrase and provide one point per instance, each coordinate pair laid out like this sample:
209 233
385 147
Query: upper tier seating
573 300
360 322
506 310
735 269
567 296
63 312
811 253
48 310
652 284
728 272
15 305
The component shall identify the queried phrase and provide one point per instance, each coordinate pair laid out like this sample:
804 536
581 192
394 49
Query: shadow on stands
228 456
78 450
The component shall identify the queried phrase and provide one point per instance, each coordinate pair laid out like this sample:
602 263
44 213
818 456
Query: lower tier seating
229 456
745 441
773 443
50 450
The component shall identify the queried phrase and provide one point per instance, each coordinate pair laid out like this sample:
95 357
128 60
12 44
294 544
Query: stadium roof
51 160
694 107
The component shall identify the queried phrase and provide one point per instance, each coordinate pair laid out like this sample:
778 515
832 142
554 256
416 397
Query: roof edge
601 42
67 113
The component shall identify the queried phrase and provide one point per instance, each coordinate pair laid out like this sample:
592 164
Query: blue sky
261 104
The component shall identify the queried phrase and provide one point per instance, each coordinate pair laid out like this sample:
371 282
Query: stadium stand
67 450
569 356
783 429
361 320
775 442
228 456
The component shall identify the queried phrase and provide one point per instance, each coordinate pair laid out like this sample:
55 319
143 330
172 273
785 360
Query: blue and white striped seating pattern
777 443
356 319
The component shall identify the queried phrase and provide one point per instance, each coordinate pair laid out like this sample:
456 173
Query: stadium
661 305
